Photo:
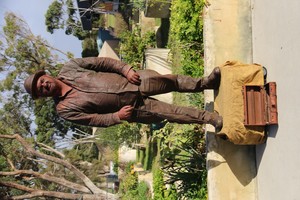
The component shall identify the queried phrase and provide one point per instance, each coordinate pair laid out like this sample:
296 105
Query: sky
33 11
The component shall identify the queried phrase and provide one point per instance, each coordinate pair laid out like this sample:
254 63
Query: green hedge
186 32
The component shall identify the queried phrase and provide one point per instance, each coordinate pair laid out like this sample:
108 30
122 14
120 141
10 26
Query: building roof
109 49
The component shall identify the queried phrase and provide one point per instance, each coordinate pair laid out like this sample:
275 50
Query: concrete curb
228 36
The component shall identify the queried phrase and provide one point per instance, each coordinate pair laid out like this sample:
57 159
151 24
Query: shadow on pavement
232 155
260 149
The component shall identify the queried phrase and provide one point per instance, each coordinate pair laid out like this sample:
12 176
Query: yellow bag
230 105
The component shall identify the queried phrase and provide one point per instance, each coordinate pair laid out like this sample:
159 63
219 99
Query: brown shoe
217 121
213 80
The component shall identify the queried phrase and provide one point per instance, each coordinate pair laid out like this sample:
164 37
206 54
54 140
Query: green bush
183 158
129 183
128 133
143 191
186 21
158 185
159 188
89 46
186 34
130 188
150 152
140 155
133 46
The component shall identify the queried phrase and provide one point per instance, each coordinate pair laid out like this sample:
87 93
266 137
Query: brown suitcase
260 104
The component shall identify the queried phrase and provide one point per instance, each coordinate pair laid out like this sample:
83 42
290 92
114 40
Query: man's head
41 85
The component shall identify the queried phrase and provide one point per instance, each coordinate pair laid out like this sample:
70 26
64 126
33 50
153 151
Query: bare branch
64 163
42 193
11 164
48 148
85 133
60 181
17 186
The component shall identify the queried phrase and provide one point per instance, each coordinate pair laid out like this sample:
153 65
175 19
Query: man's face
47 86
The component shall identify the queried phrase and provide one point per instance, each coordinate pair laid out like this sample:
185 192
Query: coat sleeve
93 119
103 64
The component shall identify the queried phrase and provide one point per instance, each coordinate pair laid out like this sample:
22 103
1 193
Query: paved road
276 45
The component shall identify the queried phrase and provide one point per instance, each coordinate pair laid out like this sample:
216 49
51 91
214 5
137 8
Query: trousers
149 110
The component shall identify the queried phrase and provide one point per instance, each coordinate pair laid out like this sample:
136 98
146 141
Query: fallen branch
89 184
60 181
62 195
48 148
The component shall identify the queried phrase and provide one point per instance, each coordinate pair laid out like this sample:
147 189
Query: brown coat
101 89
94 75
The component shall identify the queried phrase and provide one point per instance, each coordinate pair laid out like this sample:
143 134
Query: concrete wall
228 36
157 59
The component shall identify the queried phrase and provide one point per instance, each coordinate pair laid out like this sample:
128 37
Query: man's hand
133 77
125 112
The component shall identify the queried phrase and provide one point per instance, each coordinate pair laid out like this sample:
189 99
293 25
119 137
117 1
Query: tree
27 180
62 14
22 53
53 16
89 46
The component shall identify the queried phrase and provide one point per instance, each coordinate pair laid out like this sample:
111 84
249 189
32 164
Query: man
102 92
